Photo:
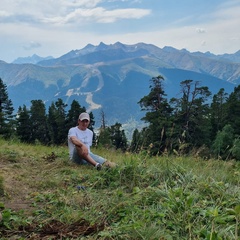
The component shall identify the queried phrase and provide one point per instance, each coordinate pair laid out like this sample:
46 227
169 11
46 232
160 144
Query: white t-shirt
85 137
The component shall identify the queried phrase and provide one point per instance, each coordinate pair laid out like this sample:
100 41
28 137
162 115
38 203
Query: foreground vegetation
44 196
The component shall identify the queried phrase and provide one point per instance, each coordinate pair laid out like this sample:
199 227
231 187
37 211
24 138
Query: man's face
83 124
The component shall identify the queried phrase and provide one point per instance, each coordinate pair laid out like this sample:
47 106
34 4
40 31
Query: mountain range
113 78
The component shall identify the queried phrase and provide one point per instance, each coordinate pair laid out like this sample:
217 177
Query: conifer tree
6 112
57 122
233 110
136 142
158 116
218 112
104 137
73 114
24 124
112 136
118 137
38 118
191 124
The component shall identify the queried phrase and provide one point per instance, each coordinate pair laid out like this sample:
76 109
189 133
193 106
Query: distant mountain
114 77
225 66
234 58
33 59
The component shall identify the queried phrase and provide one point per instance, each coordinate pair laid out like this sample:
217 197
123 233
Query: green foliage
118 137
73 114
11 219
233 110
158 116
104 138
188 124
24 124
137 142
113 136
57 121
218 112
6 112
223 142
34 125
236 149
181 126
142 198
38 119
191 114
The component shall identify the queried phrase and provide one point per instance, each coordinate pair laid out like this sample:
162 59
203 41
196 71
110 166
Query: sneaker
109 164
98 166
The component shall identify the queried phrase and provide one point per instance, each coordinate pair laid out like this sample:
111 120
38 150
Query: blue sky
55 27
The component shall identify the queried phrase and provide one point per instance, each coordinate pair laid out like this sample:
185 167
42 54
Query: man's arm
76 141
81 147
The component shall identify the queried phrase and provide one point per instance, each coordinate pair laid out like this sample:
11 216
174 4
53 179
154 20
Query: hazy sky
55 27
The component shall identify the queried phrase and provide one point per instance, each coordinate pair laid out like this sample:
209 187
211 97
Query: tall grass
142 198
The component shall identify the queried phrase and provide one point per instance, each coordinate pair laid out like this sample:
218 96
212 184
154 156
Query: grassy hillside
44 196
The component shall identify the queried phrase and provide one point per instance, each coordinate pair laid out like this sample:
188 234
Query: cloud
99 15
4 14
61 12
32 45
79 3
54 27
200 30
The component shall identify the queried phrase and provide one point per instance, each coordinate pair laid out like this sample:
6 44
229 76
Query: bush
236 149
223 142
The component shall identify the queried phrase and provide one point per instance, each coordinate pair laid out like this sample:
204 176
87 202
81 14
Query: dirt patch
55 230
16 188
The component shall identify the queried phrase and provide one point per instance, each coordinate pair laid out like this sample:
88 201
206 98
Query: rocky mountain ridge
114 77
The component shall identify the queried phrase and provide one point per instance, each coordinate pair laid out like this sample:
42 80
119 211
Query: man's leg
88 158
103 161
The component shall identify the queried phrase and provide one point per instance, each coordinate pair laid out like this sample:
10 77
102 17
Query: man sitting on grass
79 142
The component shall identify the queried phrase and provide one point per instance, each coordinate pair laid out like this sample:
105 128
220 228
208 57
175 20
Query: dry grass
152 198
25 170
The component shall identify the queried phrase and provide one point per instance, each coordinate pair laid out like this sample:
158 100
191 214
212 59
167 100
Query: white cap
84 116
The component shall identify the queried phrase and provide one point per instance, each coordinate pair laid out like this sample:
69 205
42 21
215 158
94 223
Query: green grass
143 198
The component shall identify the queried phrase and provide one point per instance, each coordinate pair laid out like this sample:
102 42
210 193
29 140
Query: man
79 143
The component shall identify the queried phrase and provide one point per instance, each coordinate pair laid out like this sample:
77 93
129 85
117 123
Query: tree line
195 123
50 126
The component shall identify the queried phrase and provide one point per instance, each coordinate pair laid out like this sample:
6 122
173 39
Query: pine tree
136 142
6 112
218 112
118 137
38 118
104 138
233 110
191 124
158 116
24 124
57 122
73 114
113 136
